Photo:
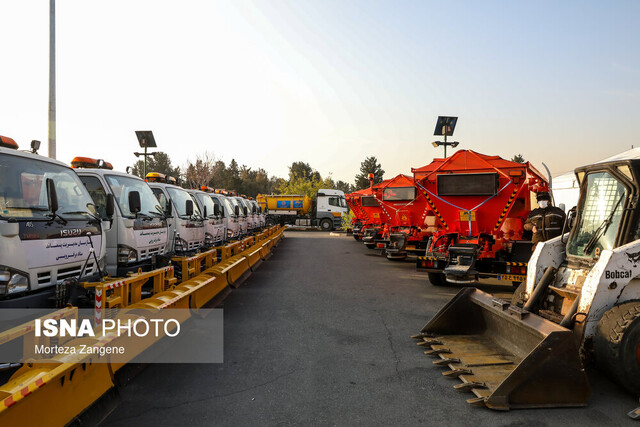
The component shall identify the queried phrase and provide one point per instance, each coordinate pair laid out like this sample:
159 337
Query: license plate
512 277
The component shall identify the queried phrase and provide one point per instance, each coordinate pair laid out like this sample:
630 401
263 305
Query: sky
326 82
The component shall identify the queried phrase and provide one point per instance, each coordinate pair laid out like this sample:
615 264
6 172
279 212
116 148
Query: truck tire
270 222
326 225
617 344
437 279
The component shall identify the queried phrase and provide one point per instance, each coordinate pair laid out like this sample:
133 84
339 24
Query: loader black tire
437 279
518 295
617 344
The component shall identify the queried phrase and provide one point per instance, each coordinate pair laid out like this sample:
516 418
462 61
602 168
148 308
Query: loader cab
607 214
137 233
186 227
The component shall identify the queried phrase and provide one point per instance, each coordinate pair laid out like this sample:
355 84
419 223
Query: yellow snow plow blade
509 358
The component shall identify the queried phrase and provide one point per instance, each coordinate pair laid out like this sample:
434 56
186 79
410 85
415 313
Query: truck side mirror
204 212
52 196
134 202
216 210
169 209
236 210
245 210
189 207
111 205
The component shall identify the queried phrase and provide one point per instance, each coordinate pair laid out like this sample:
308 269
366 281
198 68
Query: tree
159 163
518 158
369 165
202 171
301 185
344 186
303 170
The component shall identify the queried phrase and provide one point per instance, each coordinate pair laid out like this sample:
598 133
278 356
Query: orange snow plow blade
507 357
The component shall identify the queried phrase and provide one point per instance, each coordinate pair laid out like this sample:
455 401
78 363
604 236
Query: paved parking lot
319 334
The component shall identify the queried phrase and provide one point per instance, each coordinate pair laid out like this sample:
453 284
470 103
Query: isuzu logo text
70 232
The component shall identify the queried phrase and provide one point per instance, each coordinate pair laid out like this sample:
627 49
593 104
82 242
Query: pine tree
369 165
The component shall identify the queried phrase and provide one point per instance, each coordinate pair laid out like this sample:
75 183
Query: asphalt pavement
320 334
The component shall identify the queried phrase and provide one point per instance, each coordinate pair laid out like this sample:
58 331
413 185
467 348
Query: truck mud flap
507 357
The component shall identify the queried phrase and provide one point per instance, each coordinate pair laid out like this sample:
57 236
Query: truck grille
148 253
49 277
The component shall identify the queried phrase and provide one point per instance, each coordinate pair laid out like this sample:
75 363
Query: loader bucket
509 358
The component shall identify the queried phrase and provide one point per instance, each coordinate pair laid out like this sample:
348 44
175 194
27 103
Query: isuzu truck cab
214 229
186 227
230 220
50 231
137 235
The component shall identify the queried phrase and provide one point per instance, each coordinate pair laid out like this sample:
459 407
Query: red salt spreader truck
370 218
407 230
479 204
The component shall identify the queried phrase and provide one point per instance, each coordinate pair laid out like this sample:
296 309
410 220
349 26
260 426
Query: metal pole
145 161
445 145
52 79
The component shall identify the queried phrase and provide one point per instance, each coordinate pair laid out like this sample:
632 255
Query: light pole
146 140
445 126
52 79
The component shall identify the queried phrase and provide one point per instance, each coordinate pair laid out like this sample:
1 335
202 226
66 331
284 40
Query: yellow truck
325 212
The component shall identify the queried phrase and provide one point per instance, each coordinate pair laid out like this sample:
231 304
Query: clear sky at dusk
326 82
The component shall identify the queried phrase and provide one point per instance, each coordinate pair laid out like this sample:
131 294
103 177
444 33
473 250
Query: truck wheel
518 296
437 279
617 344
270 222
326 225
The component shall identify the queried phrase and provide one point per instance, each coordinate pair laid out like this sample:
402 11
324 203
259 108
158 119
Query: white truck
50 231
230 220
186 228
214 229
137 235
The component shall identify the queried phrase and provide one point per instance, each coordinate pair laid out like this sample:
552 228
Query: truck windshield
23 192
399 193
228 206
599 213
207 202
122 186
179 198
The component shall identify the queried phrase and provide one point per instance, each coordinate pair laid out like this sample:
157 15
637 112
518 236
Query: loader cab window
399 193
599 213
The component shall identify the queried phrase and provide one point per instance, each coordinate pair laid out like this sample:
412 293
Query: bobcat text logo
617 275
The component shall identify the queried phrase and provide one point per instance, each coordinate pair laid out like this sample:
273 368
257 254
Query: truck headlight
208 239
13 281
181 245
126 254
